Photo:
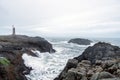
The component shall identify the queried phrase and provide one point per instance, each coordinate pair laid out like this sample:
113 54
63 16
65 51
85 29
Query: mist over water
48 66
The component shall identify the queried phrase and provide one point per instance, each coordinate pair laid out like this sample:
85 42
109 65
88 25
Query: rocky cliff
99 62
11 50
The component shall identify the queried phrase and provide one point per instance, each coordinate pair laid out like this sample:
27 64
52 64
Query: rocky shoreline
98 62
12 66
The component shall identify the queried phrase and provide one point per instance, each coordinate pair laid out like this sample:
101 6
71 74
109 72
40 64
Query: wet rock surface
100 51
92 66
12 66
80 41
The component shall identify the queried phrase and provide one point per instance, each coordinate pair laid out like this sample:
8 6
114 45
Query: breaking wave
47 66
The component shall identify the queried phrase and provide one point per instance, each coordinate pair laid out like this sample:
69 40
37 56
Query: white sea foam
60 42
91 44
47 66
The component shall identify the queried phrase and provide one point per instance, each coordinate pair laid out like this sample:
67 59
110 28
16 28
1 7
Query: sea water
47 66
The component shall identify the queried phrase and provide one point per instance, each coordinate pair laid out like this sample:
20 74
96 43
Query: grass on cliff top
4 61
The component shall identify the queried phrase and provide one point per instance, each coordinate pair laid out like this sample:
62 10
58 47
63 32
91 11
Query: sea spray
47 66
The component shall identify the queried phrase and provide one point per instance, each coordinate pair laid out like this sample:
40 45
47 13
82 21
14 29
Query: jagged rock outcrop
99 62
19 42
80 41
12 66
100 51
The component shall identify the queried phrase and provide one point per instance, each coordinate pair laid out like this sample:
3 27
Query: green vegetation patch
4 61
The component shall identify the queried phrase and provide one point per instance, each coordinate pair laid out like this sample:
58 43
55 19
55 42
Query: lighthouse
13 30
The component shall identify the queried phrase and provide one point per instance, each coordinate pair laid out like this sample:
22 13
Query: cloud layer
78 18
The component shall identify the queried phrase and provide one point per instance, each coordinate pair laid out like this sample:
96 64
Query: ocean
47 66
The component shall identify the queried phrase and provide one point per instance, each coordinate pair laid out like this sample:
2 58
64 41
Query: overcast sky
67 18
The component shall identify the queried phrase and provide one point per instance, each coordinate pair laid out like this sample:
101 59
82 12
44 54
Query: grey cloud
48 17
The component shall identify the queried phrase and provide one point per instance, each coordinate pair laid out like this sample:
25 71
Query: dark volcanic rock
100 51
99 62
15 69
18 42
80 41
12 66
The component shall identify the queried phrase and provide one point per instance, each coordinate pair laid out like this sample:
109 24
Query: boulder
80 41
72 63
95 76
90 73
73 74
102 75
